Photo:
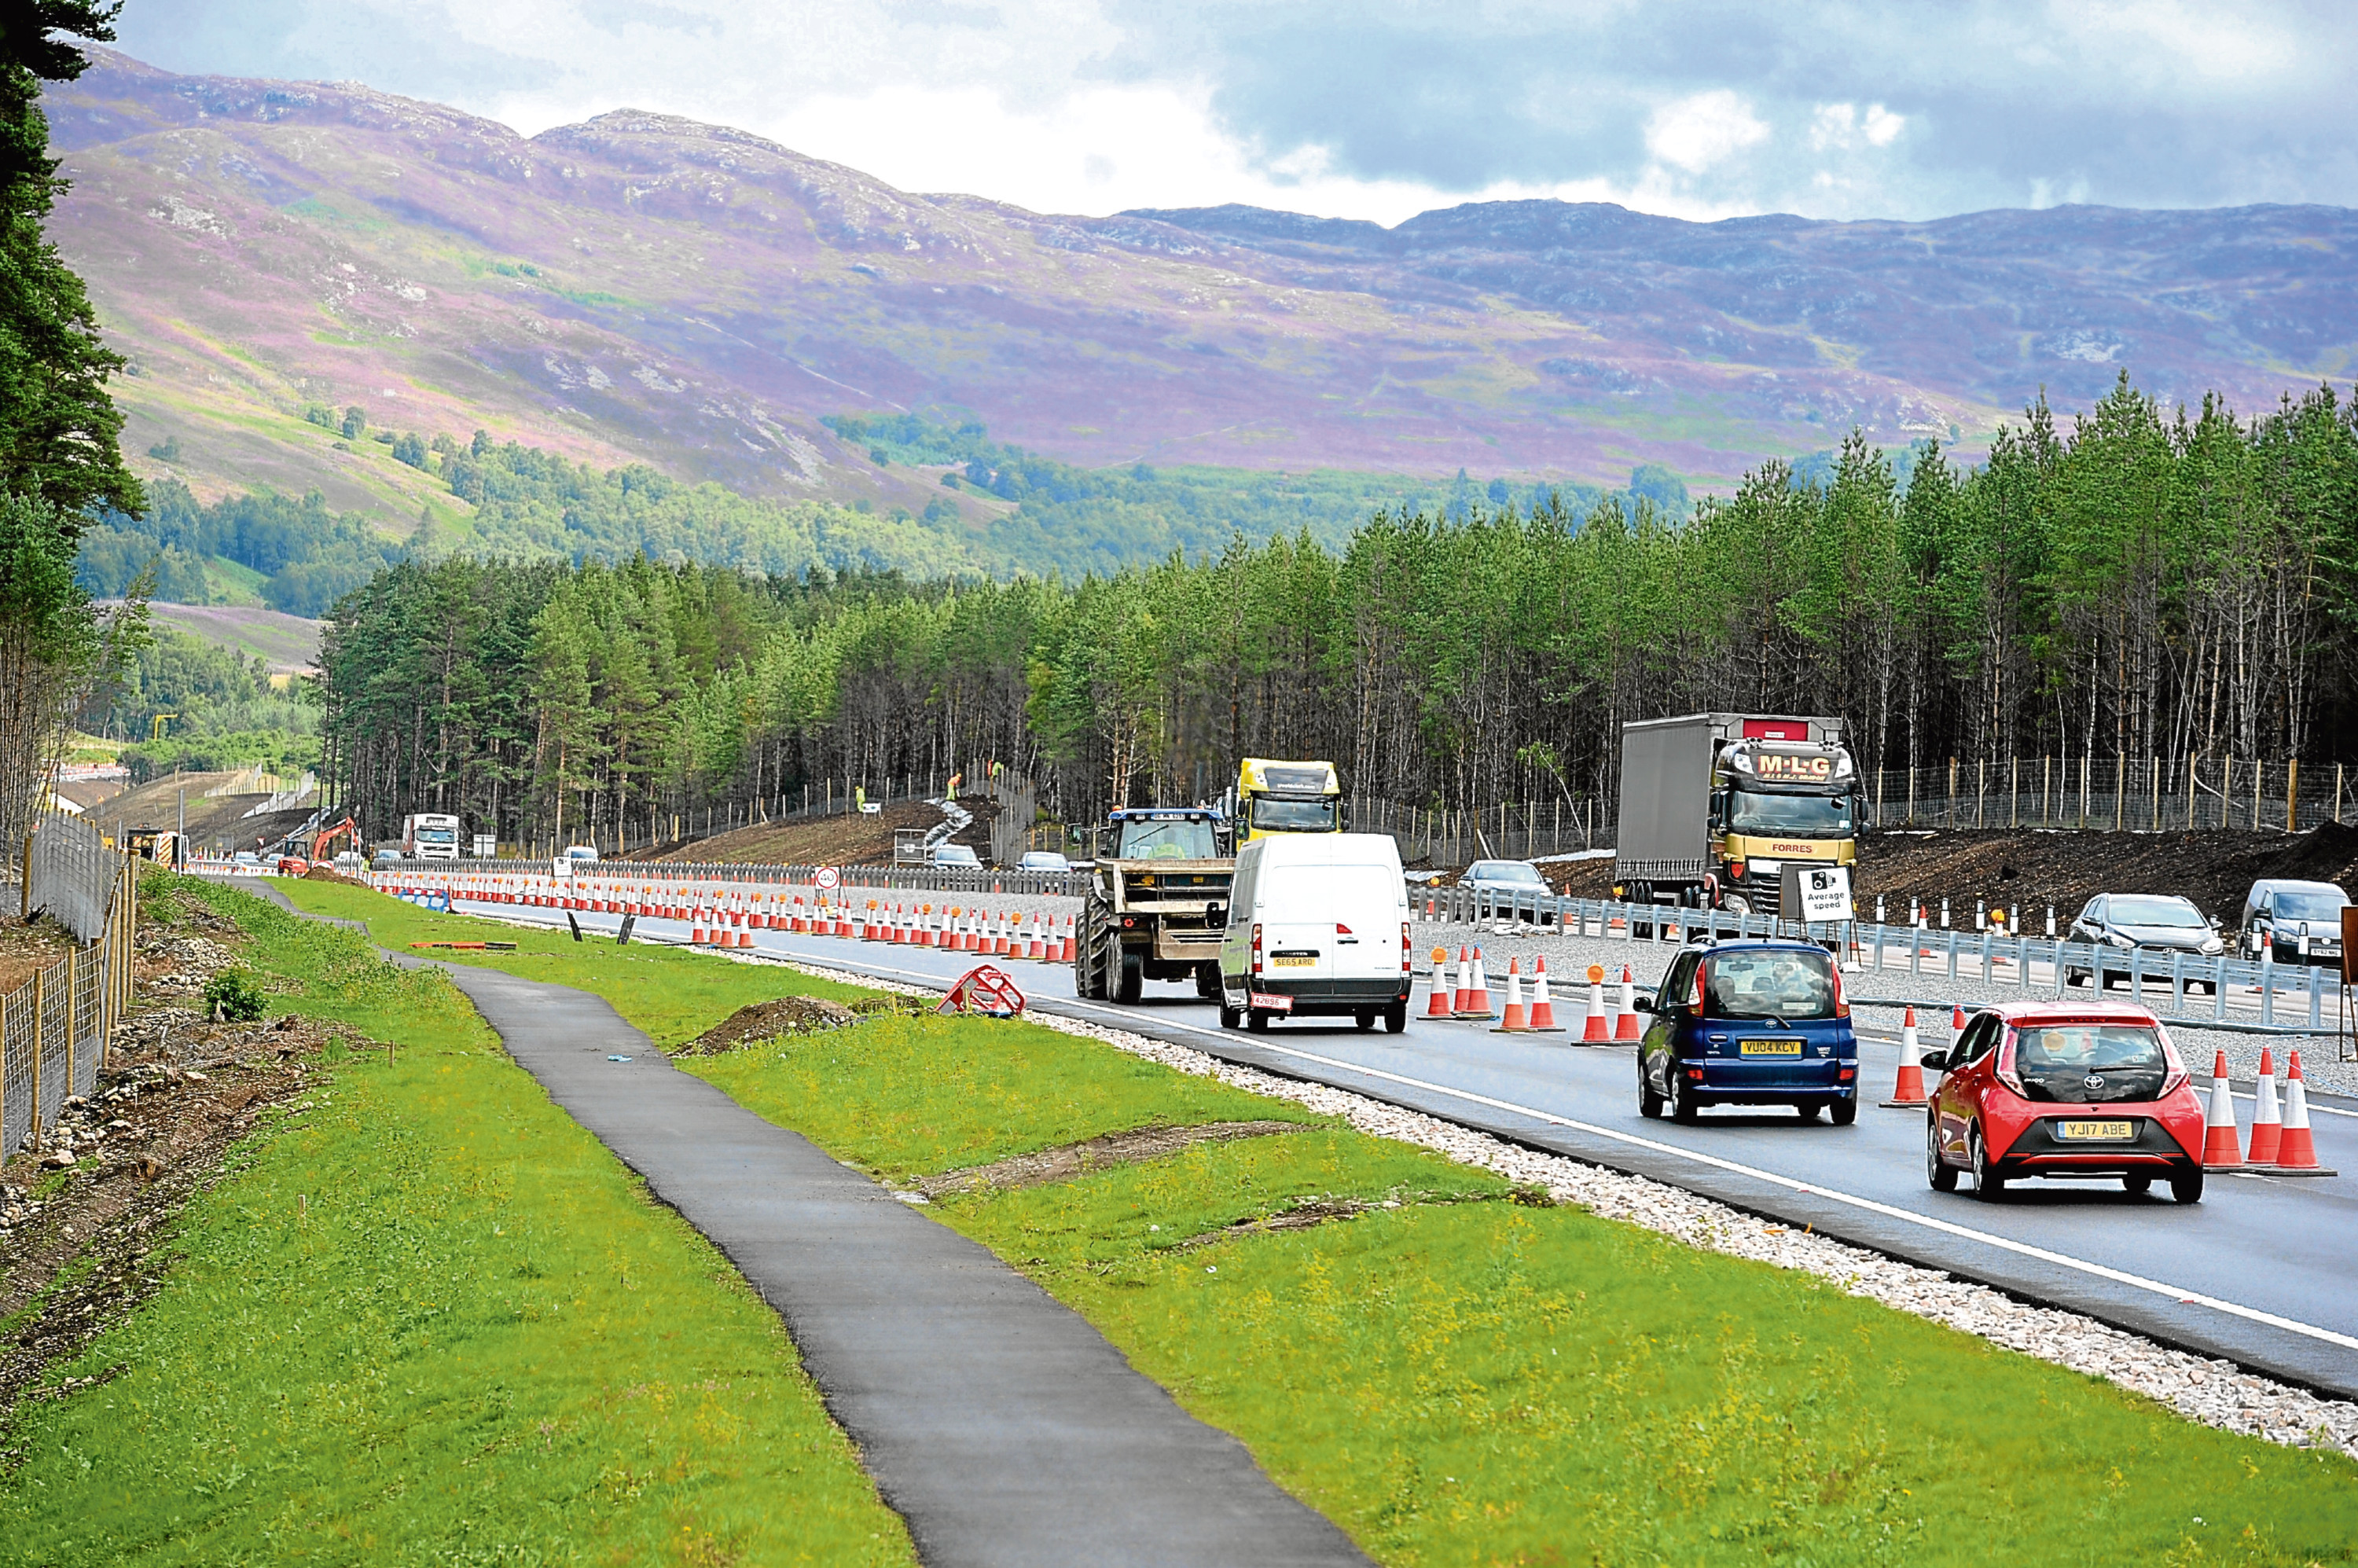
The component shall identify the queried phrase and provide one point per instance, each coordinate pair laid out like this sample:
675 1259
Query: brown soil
1063 1163
2032 870
766 1021
329 875
25 948
847 840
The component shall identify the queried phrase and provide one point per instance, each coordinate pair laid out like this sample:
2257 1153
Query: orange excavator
293 863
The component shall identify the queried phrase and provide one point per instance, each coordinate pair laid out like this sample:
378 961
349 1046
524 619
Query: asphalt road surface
2262 1272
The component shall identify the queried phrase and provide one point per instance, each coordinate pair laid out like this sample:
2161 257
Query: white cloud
1695 133
1842 126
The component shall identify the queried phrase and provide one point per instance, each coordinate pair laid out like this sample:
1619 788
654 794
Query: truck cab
1774 803
1287 798
1716 805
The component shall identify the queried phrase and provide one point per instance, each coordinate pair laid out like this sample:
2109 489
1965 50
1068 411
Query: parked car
1749 1023
580 851
957 855
2063 1089
1317 927
349 862
2298 922
245 857
1510 881
2159 922
388 857
1044 861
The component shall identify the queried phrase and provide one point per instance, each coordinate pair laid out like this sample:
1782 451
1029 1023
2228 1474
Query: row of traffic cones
1466 997
2281 1143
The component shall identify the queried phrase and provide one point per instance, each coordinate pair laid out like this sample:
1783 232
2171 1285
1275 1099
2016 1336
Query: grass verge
671 993
430 1319
1456 1379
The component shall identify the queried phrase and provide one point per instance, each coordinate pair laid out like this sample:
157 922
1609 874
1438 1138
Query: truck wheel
1133 974
1395 1018
1230 1016
1364 1019
1089 954
1257 1020
1207 980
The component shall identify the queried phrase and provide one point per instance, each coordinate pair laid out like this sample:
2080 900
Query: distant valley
646 289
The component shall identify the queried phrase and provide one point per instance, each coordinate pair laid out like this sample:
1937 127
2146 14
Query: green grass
908 1096
671 993
431 1320
1462 1380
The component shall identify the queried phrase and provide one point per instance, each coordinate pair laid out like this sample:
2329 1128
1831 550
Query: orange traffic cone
2295 1151
1461 994
1956 1020
1515 1022
1909 1089
1443 1000
2221 1150
2267 1123
1477 992
1626 1026
1595 1031
1542 1010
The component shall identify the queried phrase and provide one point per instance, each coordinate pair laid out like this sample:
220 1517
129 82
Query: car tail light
1255 950
1696 1001
1404 947
1842 998
2005 1073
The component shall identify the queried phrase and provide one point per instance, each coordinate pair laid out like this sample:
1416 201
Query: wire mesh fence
69 874
55 1025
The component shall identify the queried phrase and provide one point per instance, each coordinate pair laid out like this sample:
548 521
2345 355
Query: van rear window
1327 893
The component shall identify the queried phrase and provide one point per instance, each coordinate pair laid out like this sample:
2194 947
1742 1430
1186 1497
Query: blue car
1749 1023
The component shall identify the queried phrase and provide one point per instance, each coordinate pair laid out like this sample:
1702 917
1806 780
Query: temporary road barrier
1514 1022
1909 1091
2221 1148
2267 1124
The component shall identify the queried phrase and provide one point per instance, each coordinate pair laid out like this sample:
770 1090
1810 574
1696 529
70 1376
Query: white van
1318 926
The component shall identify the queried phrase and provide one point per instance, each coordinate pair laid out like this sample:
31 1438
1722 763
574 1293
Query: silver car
2157 922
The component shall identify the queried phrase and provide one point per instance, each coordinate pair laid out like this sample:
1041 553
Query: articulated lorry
1716 805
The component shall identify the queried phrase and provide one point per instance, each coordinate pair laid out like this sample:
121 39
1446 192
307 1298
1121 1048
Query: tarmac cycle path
1003 1427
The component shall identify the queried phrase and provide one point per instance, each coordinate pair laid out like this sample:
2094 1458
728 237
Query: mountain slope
647 288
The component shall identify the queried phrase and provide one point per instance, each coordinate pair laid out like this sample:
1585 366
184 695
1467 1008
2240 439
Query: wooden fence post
2014 792
2292 794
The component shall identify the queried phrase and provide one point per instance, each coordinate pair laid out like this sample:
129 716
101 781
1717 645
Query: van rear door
1329 921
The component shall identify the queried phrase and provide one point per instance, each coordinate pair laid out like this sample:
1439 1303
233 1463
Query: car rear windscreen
2084 1063
1344 895
1777 982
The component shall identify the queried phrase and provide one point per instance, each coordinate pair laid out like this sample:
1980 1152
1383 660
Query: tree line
2131 581
59 430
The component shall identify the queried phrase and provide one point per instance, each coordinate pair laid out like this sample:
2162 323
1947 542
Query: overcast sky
1386 108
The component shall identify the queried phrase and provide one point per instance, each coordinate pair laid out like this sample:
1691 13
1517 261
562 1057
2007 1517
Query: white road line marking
2174 1293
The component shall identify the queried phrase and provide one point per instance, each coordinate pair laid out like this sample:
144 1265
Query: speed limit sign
827 878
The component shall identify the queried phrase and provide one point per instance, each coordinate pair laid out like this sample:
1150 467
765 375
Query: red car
2063 1089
